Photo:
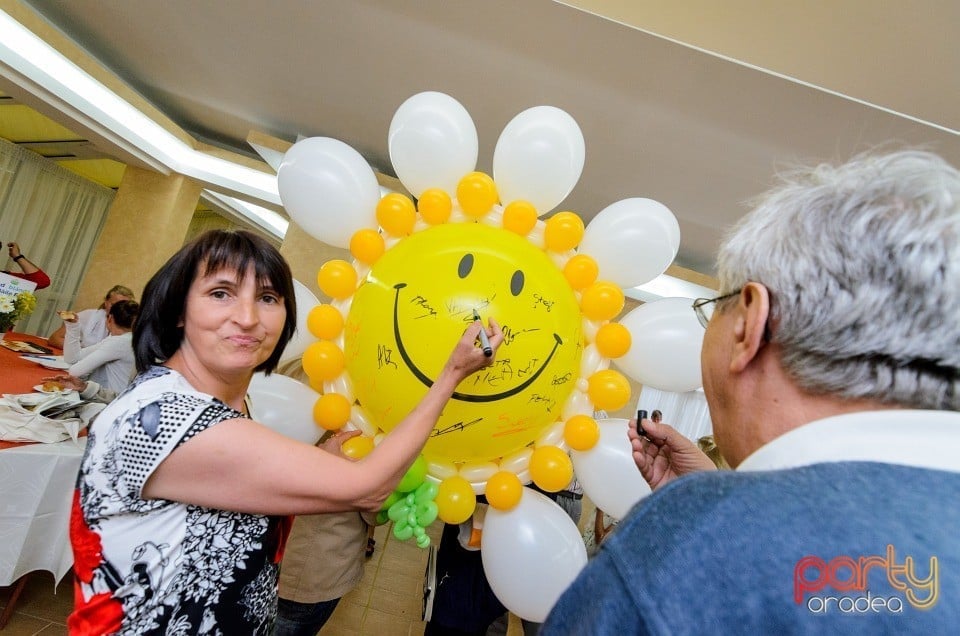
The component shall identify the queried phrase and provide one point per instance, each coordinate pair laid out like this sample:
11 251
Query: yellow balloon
602 301
435 206
504 490
357 447
609 390
581 432
331 411
325 322
396 214
551 468
476 194
455 500
563 231
337 279
316 384
367 246
323 360
519 217
581 271
414 305
613 340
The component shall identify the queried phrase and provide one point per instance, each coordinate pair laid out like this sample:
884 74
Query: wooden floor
387 601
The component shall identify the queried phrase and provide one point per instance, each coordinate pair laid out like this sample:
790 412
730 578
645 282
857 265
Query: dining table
36 486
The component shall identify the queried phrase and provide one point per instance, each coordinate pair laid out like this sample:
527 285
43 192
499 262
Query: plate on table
49 362
39 389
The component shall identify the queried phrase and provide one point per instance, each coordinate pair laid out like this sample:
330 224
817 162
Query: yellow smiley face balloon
416 302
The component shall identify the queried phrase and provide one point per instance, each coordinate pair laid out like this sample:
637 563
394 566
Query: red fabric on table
18 375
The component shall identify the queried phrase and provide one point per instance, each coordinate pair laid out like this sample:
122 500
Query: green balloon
414 475
399 511
402 530
426 513
427 491
392 499
382 517
423 541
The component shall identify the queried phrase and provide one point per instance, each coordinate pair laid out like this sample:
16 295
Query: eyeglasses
704 307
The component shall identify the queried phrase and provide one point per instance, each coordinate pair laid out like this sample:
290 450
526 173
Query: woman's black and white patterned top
158 566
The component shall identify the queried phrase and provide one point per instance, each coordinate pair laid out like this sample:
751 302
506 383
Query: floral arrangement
13 308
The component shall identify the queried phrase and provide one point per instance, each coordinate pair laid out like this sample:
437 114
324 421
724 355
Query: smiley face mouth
463 397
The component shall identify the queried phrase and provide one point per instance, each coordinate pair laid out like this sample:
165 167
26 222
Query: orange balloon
519 217
581 432
609 390
476 194
316 384
323 360
435 206
581 271
563 231
602 301
325 322
367 246
337 279
551 468
455 500
504 490
396 214
331 411
357 447
613 340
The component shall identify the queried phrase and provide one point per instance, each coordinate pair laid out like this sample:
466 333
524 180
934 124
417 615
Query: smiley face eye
466 264
516 283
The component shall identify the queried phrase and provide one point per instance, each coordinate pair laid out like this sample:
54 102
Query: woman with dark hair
180 516
92 322
109 362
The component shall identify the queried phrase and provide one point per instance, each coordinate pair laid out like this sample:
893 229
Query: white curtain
56 217
686 412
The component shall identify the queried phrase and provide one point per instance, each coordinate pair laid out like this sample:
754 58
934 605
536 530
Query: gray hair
862 261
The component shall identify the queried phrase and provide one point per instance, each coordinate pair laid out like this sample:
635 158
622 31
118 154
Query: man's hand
662 454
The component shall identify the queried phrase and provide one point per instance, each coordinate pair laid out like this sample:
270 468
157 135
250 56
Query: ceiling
694 104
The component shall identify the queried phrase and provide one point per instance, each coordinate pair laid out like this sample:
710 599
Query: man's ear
752 312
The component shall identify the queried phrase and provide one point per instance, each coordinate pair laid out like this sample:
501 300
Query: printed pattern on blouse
158 566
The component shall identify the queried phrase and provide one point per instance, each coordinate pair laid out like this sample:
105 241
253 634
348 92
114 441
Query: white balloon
530 554
284 405
633 241
328 189
607 472
538 158
432 142
517 462
666 342
301 337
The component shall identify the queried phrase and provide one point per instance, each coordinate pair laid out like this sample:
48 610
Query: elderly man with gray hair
831 365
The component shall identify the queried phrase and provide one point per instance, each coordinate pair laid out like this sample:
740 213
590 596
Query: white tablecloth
36 492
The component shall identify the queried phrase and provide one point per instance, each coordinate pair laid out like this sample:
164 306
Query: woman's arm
93 357
244 466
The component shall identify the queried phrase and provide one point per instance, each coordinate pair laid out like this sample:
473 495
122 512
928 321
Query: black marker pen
484 340
642 415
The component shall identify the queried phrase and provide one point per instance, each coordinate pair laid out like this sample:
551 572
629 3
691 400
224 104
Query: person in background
324 557
28 271
831 366
93 322
183 502
109 362
656 416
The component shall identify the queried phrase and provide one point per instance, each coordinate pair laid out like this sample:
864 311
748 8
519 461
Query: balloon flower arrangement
461 242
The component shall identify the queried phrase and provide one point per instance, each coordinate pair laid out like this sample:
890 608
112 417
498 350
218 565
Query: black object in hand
641 415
